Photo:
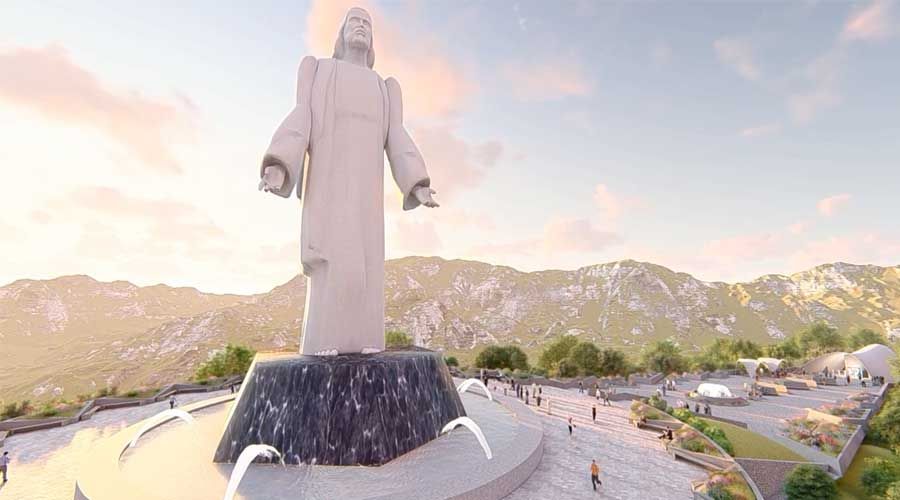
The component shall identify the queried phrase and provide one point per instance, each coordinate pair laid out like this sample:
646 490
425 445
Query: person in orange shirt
595 474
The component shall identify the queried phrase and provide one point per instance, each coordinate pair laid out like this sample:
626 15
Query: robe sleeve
291 139
407 164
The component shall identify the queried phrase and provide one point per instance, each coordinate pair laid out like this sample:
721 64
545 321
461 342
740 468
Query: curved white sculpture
158 420
463 387
472 426
243 463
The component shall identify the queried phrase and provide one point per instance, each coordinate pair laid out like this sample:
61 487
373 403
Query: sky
724 139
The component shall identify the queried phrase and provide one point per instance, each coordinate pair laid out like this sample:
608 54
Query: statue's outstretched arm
407 164
287 152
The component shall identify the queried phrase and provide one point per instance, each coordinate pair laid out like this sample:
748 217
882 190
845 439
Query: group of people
524 394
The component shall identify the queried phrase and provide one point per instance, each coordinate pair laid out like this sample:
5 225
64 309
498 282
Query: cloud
830 205
737 53
454 165
433 84
47 81
417 237
857 248
573 235
613 205
822 76
873 22
745 247
547 80
761 130
164 220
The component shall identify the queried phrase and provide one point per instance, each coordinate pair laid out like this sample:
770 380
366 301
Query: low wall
21 425
849 452
737 423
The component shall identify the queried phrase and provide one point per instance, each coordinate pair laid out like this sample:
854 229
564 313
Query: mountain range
73 334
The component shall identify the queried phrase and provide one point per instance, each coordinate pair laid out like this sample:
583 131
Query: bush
808 482
893 492
394 338
538 371
879 473
451 361
496 356
719 492
13 410
567 369
234 360
48 411
131 394
658 402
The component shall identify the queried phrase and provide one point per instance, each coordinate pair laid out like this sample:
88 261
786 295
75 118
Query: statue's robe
346 117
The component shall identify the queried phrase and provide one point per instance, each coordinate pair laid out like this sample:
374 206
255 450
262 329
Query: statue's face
358 30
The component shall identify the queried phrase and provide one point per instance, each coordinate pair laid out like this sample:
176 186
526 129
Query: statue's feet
370 350
327 352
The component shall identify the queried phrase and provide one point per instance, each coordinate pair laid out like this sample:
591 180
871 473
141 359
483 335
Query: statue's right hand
272 179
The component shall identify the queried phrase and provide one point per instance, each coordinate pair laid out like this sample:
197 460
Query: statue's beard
357 41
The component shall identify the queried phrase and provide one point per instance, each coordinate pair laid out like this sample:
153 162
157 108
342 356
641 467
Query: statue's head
356 33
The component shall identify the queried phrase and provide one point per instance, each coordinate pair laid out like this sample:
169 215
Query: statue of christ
345 119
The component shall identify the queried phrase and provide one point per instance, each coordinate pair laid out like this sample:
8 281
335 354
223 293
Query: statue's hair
339 47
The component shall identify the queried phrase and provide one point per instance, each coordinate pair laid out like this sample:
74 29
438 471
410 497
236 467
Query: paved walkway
44 463
633 464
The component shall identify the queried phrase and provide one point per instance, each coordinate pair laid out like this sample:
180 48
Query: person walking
594 414
526 397
172 401
580 387
4 465
595 474
606 398
571 426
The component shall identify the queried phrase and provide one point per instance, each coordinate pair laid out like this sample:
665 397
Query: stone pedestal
358 409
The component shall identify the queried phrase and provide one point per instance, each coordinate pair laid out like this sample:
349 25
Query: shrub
694 445
658 402
893 492
13 410
131 394
567 368
234 360
719 492
394 338
48 411
808 482
451 361
496 356
879 473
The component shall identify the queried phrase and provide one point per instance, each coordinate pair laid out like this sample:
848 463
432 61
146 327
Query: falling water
472 426
157 420
243 463
463 387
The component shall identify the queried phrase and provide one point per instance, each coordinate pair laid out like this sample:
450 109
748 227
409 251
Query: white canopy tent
752 365
873 360
714 391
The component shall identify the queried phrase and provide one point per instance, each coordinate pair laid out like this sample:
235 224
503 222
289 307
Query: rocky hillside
73 334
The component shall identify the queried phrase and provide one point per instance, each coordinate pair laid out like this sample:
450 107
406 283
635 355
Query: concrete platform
174 461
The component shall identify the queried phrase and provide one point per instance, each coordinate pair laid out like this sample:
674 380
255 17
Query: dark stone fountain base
359 409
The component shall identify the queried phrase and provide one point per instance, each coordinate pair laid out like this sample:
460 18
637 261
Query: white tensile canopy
873 360
753 364
714 391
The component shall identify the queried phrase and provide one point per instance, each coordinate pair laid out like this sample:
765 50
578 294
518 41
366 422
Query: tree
786 349
864 337
586 357
555 352
234 360
451 361
396 338
612 362
808 482
566 368
664 357
820 338
496 356
885 426
879 473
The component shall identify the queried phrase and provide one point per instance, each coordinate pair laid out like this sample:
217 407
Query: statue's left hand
423 194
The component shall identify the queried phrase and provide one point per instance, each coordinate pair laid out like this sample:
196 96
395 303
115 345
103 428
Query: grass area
748 444
848 486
